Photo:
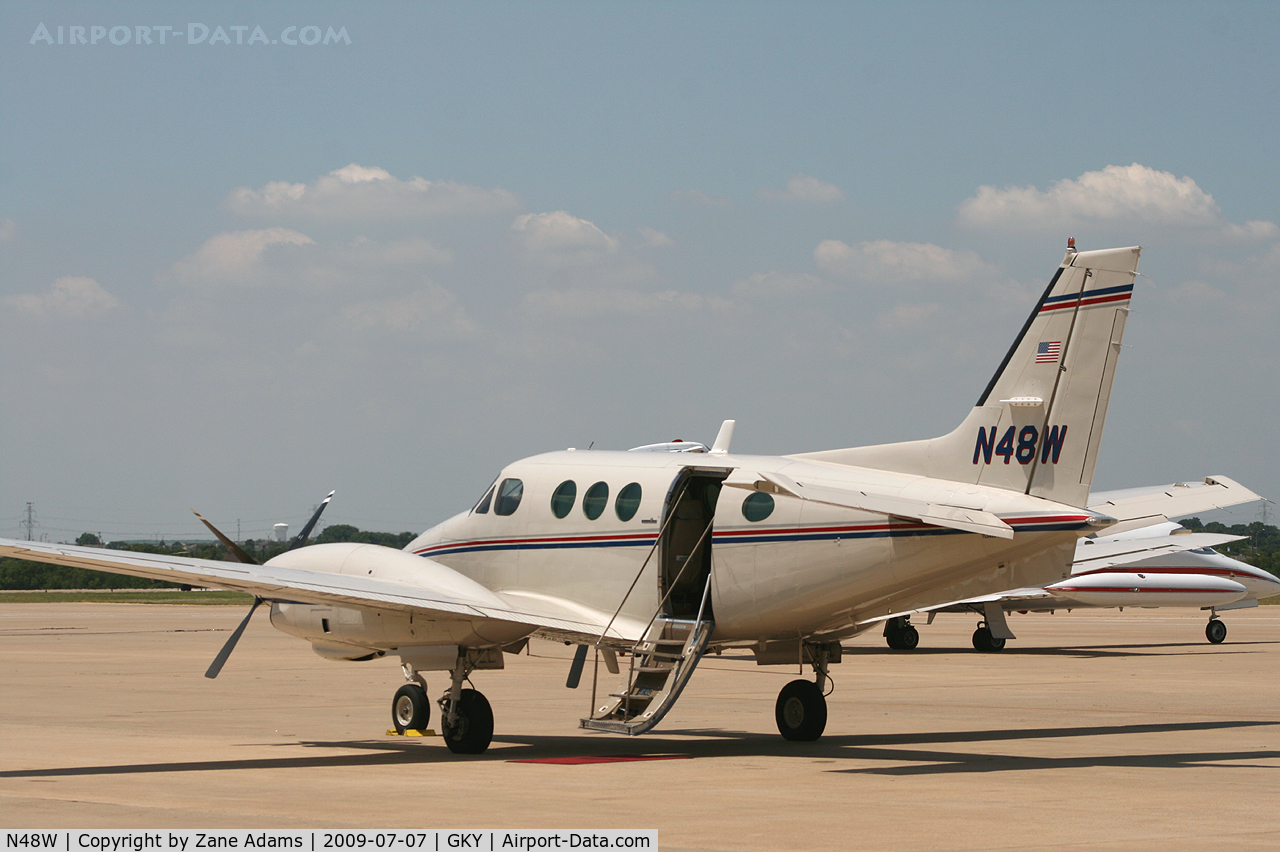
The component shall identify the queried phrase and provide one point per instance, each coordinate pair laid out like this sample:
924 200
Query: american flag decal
1048 351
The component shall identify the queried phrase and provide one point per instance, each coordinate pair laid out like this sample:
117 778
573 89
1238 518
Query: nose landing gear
801 709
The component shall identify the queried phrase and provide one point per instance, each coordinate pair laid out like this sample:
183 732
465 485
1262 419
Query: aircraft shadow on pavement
896 749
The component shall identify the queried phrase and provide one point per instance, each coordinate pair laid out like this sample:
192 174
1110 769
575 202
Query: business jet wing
1141 507
380 577
1094 555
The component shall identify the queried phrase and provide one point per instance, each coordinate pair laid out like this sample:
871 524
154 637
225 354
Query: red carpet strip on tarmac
601 758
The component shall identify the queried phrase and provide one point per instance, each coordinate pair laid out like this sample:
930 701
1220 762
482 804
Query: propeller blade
216 666
235 549
301 537
575 668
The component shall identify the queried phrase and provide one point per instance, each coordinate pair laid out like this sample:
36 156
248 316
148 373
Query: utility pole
30 522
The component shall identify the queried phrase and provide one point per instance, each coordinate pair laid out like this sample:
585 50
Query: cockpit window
593 502
482 508
562 499
508 498
628 501
757 506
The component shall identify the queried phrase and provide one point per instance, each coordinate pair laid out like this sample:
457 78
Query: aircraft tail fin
1037 426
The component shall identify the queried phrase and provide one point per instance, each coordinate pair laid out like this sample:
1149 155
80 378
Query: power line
30 522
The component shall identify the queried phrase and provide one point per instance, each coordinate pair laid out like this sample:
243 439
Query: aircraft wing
952 517
420 585
1140 507
1094 555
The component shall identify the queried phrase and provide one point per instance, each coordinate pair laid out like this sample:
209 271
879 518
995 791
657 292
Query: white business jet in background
1161 565
661 557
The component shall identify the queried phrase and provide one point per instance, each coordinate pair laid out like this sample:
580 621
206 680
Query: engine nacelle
1107 588
353 633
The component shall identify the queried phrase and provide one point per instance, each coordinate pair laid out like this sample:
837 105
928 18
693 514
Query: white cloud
235 256
778 284
1116 193
805 189
585 303
360 192
69 297
655 239
889 261
431 310
561 239
906 315
413 251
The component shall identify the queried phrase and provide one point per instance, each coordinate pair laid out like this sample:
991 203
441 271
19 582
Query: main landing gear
466 719
984 641
900 635
801 710
1215 631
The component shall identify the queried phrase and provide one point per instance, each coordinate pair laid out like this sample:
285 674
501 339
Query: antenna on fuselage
723 437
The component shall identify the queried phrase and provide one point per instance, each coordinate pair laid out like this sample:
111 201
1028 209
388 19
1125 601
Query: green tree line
23 575
1260 548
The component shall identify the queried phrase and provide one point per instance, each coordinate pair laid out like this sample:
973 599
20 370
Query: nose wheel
801 711
1215 631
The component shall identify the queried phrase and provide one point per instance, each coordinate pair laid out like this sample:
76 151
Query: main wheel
801 711
472 731
893 638
1215 631
985 642
908 638
410 709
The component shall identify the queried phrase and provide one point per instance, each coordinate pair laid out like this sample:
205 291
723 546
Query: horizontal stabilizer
933 514
1141 507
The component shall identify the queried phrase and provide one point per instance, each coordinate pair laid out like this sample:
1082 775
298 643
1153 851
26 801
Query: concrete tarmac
1093 730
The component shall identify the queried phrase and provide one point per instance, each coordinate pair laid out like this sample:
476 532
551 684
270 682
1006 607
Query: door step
661 664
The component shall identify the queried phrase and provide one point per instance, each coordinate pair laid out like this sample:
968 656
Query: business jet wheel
410 709
1215 631
473 729
801 711
985 642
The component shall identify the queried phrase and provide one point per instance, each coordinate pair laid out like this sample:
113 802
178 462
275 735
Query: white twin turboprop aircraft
663 556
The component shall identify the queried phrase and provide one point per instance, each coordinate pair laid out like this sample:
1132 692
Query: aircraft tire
801 711
1215 631
473 730
410 709
908 638
893 638
986 643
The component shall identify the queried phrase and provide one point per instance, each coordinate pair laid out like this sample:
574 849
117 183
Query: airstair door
685 550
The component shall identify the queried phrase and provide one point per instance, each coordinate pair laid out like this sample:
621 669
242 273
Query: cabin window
508 497
757 506
628 501
594 501
482 507
562 499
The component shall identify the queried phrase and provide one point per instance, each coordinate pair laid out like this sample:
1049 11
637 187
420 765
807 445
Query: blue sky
238 275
